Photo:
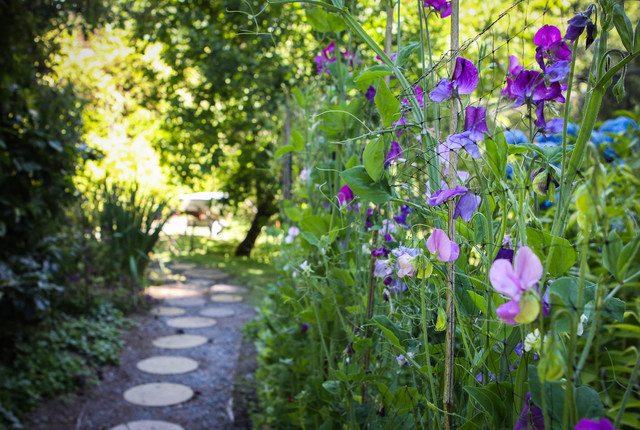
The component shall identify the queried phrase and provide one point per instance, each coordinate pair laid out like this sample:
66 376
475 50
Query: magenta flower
550 46
514 281
345 196
531 417
463 81
586 424
443 7
325 58
439 244
475 121
402 121
417 91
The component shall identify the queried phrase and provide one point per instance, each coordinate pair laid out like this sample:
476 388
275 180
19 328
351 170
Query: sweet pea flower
406 266
514 281
345 196
325 58
394 154
401 218
446 250
383 251
291 234
463 81
388 227
578 23
443 7
587 424
417 91
550 46
370 94
381 269
467 205
304 174
399 124
531 417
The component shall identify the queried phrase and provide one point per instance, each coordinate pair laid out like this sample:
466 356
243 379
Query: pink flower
438 242
406 266
514 281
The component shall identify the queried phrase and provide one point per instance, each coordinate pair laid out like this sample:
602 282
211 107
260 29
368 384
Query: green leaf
563 292
588 403
611 254
315 224
479 227
388 106
636 38
479 301
335 23
292 212
624 27
627 256
297 140
405 53
393 333
497 152
614 309
366 188
371 75
563 257
318 19
333 387
283 150
489 401
373 158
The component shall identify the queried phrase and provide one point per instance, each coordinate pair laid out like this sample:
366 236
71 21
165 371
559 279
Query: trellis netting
462 249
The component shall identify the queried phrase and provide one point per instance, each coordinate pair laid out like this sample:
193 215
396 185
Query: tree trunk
266 210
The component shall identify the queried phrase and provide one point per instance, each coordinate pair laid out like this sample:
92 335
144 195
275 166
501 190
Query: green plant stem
448 398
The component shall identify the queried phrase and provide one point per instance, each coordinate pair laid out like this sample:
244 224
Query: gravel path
104 407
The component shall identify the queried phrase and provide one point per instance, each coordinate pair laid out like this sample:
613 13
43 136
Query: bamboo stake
451 179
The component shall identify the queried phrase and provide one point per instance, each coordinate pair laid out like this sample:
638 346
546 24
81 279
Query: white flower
406 265
532 341
583 319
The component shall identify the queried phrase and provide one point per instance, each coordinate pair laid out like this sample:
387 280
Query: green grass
256 272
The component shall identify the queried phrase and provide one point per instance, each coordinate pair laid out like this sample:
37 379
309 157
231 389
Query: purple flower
475 121
445 194
554 126
463 141
514 281
345 196
467 205
381 269
402 121
368 223
304 328
492 377
370 94
443 7
397 286
350 58
587 424
463 81
325 58
542 180
394 154
401 218
514 66
505 254
438 242
381 252
518 349
550 46
578 23
557 71
417 90
531 417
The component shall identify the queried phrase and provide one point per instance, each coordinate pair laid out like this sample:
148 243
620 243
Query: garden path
177 368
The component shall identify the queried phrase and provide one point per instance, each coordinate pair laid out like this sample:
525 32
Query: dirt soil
226 366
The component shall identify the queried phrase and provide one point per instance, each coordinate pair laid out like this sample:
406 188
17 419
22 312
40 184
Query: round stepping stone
158 394
206 274
230 289
191 322
179 341
164 292
181 266
148 425
226 298
217 312
166 311
186 301
167 365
